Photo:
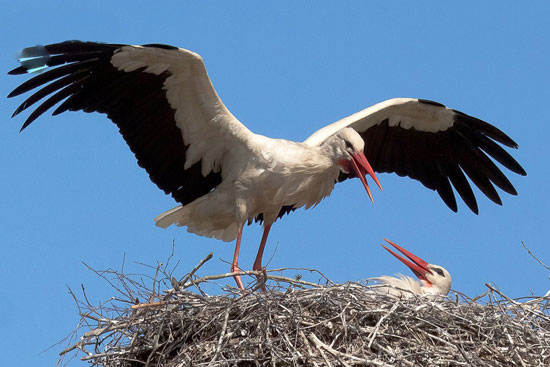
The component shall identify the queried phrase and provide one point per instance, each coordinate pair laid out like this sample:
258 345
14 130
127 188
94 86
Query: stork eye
348 144
439 272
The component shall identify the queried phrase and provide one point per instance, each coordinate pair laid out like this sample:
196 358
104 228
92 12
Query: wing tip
486 129
18 71
27 122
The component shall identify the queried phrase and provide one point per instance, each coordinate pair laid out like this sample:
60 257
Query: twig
252 272
534 257
334 352
222 334
373 335
197 267
319 347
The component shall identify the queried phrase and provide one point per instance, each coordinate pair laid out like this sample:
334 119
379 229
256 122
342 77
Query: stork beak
361 166
418 266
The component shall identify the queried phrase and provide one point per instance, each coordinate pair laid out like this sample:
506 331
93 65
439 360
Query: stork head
435 279
347 147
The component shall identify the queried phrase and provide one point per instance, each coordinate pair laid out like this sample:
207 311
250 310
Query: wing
159 96
433 144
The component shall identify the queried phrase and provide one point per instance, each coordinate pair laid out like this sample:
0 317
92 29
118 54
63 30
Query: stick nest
175 323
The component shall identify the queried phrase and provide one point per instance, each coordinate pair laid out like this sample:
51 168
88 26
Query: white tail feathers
169 217
220 227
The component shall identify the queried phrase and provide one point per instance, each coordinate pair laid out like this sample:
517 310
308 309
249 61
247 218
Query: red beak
361 166
419 267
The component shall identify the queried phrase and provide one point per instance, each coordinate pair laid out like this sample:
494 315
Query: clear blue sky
71 191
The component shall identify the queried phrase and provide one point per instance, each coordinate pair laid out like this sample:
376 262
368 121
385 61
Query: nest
302 323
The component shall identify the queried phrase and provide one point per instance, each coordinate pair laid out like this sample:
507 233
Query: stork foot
261 278
235 268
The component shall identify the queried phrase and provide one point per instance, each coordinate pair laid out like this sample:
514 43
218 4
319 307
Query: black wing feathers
439 160
135 101
50 102
477 125
46 77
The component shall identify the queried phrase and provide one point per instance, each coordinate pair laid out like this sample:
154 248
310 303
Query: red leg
258 261
235 263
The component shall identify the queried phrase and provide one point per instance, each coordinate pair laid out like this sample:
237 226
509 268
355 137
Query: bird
223 175
435 280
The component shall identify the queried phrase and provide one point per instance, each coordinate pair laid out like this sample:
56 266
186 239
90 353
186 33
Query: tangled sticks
305 323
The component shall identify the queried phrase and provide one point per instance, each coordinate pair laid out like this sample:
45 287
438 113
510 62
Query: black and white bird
433 280
224 175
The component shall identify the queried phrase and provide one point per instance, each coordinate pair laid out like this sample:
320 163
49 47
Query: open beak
418 266
361 167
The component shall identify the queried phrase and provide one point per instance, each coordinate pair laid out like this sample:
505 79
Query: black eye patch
439 272
348 144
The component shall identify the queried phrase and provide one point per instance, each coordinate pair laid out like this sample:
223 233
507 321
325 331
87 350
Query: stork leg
258 262
235 263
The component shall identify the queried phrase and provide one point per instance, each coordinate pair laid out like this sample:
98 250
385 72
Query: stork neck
330 151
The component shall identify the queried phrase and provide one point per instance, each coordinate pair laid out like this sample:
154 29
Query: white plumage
224 175
263 179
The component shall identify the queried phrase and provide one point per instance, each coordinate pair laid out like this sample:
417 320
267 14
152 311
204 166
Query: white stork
224 175
434 280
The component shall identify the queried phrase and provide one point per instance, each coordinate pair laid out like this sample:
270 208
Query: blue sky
71 191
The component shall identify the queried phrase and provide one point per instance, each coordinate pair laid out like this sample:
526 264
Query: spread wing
159 96
433 144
